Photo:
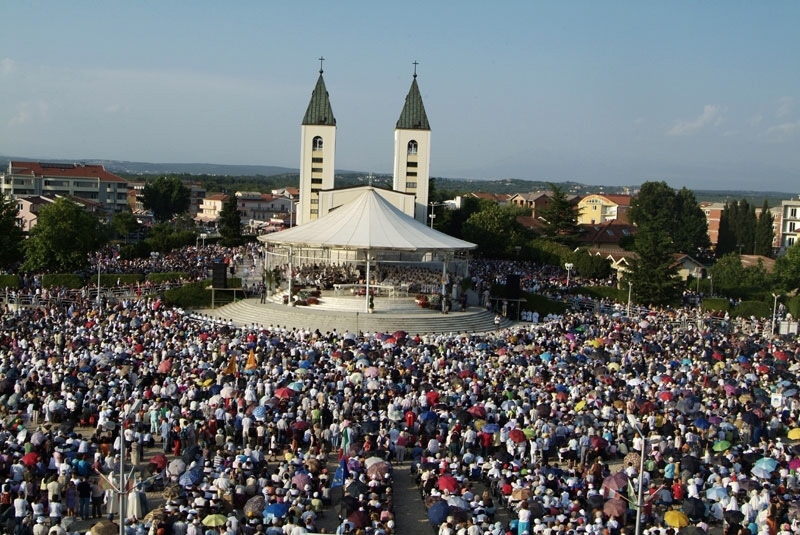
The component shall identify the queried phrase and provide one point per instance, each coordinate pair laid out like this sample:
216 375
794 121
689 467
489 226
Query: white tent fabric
368 223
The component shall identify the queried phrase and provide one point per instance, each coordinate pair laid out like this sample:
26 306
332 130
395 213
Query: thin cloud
785 107
29 111
712 115
784 130
7 66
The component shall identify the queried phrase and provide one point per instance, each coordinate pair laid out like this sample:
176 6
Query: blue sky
703 94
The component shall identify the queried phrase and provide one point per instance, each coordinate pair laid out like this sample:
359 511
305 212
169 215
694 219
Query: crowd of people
547 420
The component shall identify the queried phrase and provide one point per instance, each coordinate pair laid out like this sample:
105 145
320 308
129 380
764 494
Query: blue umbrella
428 416
215 389
547 356
702 423
276 510
438 512
767 463
716 493
491 428
481 346
189 478
260 412
305 364
742 358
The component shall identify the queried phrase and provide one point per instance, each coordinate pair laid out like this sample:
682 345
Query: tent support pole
366 294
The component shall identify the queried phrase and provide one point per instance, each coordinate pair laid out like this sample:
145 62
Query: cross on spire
415 63
321 59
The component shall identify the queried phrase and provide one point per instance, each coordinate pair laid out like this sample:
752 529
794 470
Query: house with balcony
597 208
789 224
89 182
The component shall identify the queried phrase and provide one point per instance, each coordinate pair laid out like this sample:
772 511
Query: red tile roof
72 170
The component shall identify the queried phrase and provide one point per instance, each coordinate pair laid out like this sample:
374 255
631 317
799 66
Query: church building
412 149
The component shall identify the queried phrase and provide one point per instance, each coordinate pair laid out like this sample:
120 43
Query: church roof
413 116
369 222
319 111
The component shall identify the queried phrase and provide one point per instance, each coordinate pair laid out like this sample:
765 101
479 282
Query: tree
64 235
737 227
11 234
591 266
494 230
678 214
762 244
787 269
123 223
560 216
653 272
165 197
230 222
691 229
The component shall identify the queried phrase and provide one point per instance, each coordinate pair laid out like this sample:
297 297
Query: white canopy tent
369 224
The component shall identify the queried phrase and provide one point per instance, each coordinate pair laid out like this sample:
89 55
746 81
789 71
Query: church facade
412 149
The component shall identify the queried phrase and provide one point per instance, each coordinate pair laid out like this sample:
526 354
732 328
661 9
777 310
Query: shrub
745 309
543 305
715 304
9 281
158 278
66 280
604 292
192 295
793 304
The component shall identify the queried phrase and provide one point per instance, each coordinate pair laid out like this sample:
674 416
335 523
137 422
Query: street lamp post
99 301
568 266
711 282
774 312
203 237
639 502
433 206
630 290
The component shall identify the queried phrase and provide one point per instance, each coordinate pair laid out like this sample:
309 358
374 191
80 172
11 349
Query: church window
411 185
412 147
316 143
412 164
411 173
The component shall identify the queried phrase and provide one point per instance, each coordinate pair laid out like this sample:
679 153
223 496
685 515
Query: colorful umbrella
721 445
215 520
447 482
676 518
516 435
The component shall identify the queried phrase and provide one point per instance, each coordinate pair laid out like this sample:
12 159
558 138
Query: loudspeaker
219 275
512 287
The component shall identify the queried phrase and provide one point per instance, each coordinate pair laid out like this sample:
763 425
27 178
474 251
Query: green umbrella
721 445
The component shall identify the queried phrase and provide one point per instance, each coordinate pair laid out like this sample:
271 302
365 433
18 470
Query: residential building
83 181
789 224
210 208
29 207
604 236
598 208
713 213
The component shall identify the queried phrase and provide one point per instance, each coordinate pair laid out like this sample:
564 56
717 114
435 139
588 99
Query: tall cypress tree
230 223
762 243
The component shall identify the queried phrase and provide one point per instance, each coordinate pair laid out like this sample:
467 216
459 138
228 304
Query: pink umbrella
794 464
165 366
301 480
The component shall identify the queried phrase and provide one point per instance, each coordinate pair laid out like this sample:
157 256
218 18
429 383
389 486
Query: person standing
21 509
84 498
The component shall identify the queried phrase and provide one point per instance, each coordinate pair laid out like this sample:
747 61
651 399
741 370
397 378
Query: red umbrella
30 459
516 435
561 396
300 425
667 379
165 366
464 374
433 397
160 460
447 482
285 393
615 507
665 396
478 411
399 335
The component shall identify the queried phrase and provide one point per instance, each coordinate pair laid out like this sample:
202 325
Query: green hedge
745 309
66 280
9 281
158 278
604 292
793 304
543 305
715 304
110 279
192 295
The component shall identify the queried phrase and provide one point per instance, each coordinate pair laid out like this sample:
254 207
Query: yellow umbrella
676 519
613 366
479 424
580 405
794 434
215 520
